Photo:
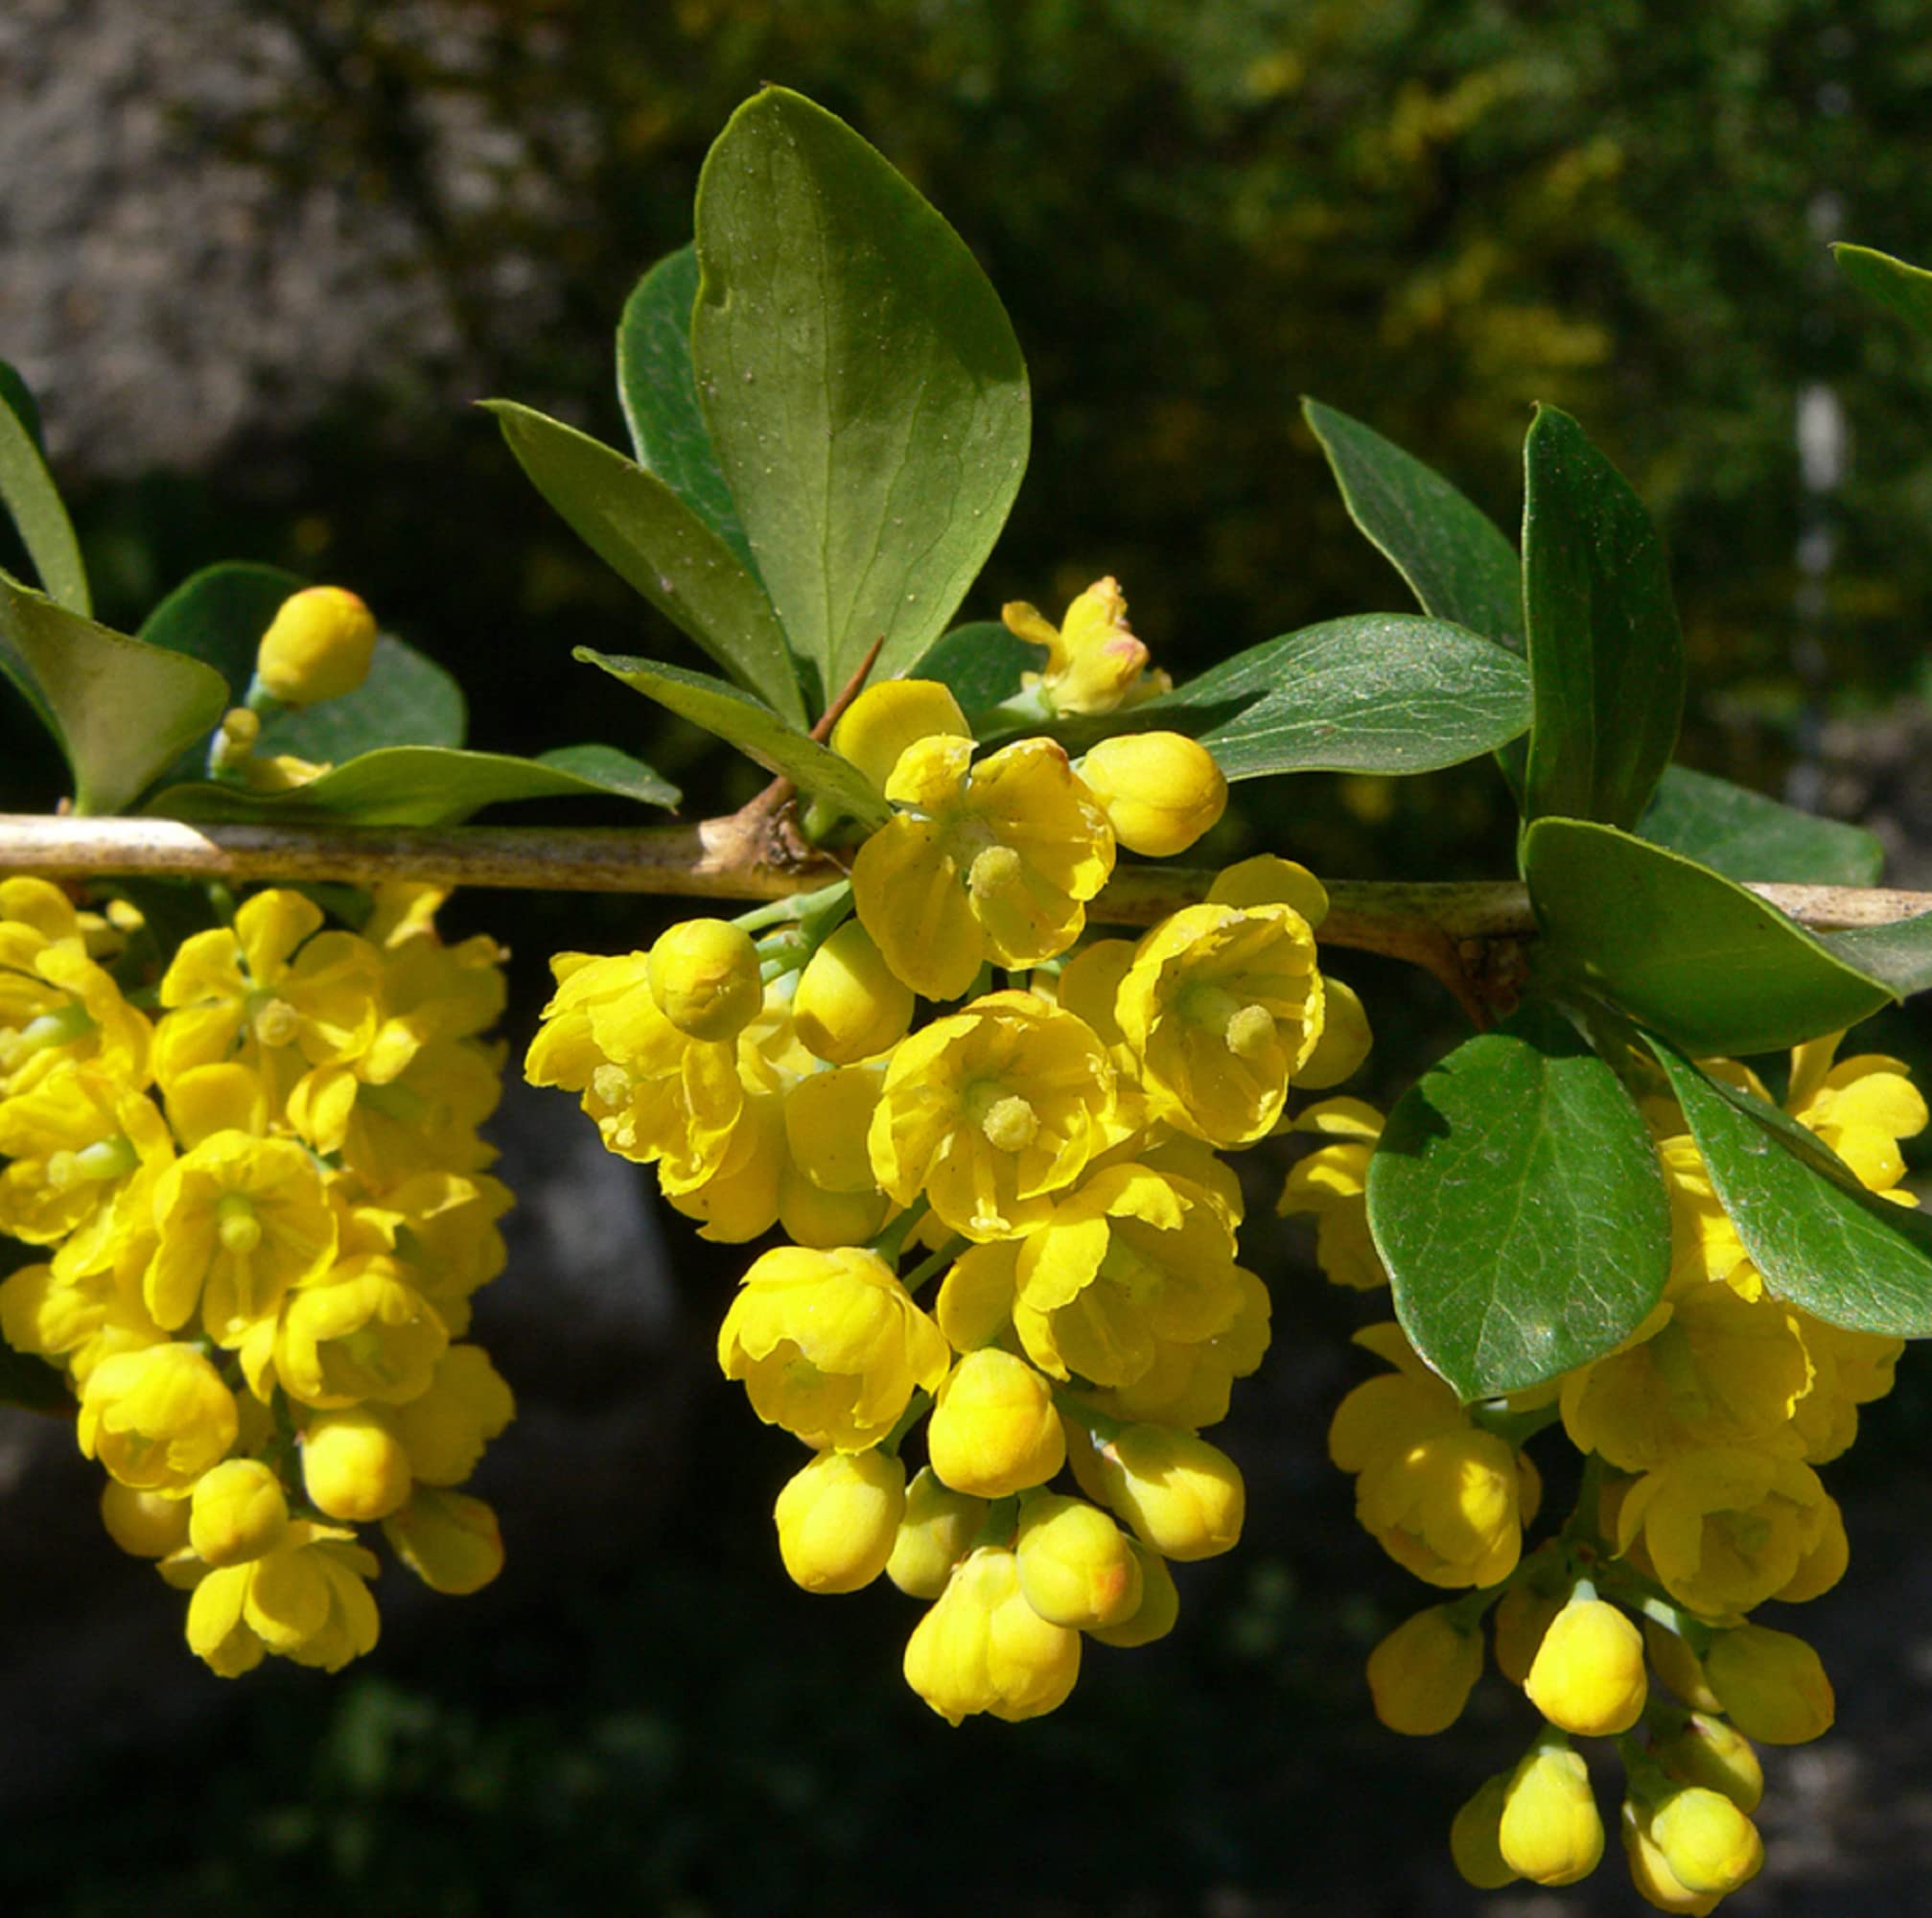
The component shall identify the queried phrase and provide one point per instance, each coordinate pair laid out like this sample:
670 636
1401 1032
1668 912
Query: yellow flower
75 1321
364 1334
1189 1383
1182 1497
1709 1845
838 1518
1160 791
1718 1370
354 1466
1588 1672
993 1429
986 862
450 1540
241 1222
1771 1685
1727 1527
1707 1751
287 995
307 1600
704 974
1076 1565
1650 1873
144 1525
1159 1608
1550 1831
1848 1369
991 1112
317 646
891 715
1474 1837
238 1512
1221 1005
1422 1674
1860 1108
657 1096
81 1141
983 1649
935 1532
1332 1182
156 1419
1093 661
57 1006
1130 1259
849 1004
829 1346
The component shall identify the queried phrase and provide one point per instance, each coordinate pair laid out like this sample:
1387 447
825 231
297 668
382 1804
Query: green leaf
1515 1199
1381 692
659 389
982 662
1683 949
424 786
1900 953
1821 1240
123 711
753 728
407 700
644 532
862 383
1744 835
1906 289
1606 658
33 500
1453 555
219 614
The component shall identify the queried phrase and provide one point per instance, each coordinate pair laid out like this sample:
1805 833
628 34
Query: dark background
256 259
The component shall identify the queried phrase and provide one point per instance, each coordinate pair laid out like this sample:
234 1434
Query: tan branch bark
751 855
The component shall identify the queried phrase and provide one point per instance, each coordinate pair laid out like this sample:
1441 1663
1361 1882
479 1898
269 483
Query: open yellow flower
79 1139
308 1600
829 1345
1130 1259
1220 1004
991 1113
993 861
57 1006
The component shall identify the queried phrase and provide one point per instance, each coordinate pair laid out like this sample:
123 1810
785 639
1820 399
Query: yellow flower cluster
1700 1437
262 1214
1045 1147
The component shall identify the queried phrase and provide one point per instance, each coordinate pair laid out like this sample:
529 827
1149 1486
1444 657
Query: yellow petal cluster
265 1215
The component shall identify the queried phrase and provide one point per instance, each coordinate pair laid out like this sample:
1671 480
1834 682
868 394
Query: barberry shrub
967 1079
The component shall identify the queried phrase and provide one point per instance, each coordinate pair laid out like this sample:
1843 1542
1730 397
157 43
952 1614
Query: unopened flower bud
1523 1615
934 1534
1550 1830
837 1518
1160 791
849 1005
1588 1674
1344 1041
1771 1684
1708 1752
354 1467
317 646
1420 1674
238 1512
1711 1846
983 1649
1474 1837
1159 1605
1181 1496
704 974
993 1429
145 1524
1678 1667
1076 1566
1650 1873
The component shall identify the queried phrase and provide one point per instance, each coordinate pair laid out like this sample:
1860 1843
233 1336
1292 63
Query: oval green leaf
659 389
1682 950
1383 693
1515 1199
1819 1237
1606 657
122 710
407 700
423 785
1906 289
753 728
861 380
1744 835
982 662
647 534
